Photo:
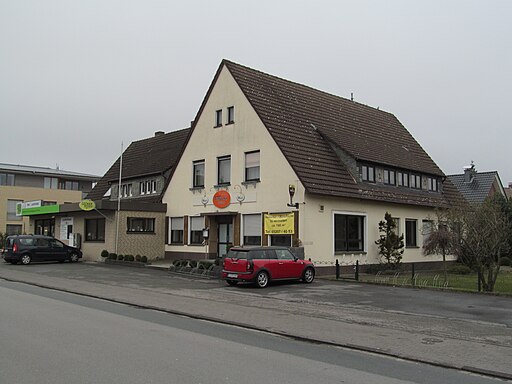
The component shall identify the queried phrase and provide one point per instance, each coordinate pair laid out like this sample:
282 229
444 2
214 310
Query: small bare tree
441 240
483 238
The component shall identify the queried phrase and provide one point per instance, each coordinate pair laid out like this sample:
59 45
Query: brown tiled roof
306 123
152 156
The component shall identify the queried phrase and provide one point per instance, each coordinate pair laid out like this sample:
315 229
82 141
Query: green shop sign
44 209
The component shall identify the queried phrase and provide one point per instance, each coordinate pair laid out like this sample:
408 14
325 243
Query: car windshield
238 254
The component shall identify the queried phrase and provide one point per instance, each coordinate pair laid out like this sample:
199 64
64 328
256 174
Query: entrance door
225 232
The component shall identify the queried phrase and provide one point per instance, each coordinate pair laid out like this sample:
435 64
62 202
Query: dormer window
403 179
389 177
147 187
433 185
415 181
368 173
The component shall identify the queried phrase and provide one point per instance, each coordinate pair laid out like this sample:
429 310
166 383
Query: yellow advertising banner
279 224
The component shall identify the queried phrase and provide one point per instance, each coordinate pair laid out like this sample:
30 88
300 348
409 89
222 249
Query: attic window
389 177
218 118
433 185
231 115
368 173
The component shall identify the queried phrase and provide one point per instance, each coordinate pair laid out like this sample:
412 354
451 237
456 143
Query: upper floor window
231 115
7 179
147 187
126 190
51 183
368 173
433 185
389 177
252 166
415 181
224 170
12 211
198 172
403 179
69 185
218 118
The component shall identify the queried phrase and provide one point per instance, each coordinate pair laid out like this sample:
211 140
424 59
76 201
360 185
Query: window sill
176 245
230 123
94 241
218 186
341 253
250 182
196 188
412 247
217 126
196 245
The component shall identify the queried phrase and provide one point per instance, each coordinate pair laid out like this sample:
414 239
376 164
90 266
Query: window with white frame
252 229
403 179
252 166
176 230
126 190
147 187
415 181
349 233
196 230
433 184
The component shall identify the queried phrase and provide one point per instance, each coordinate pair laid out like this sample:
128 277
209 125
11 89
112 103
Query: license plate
232 275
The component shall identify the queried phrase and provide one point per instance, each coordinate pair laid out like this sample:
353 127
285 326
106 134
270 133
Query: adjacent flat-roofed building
43 187
257 139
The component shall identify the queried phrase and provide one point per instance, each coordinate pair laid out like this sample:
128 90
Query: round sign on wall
221 199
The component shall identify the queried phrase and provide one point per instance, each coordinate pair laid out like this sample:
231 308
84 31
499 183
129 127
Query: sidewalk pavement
478 347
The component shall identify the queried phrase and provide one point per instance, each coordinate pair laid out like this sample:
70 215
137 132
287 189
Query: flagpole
119 197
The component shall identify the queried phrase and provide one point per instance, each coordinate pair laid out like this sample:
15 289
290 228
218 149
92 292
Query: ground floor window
141 224
411 229
176 230
281 240
95 230
252 229
196 230
12 229
348 233
45 227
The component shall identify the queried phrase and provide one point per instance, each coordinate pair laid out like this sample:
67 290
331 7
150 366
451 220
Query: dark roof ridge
226 61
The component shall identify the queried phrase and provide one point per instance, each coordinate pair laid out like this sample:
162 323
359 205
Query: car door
41 251
287 266
58 250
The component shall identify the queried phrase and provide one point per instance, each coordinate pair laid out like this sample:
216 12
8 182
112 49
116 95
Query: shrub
129 258
112 256
104 253
144 259
138 258
459 269
120 257
506 262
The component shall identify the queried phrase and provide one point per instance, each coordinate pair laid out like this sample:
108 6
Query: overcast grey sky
79 77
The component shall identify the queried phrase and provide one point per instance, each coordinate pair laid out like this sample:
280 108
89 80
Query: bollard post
412 277
357 270
337 269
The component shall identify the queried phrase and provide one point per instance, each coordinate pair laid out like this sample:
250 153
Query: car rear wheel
262 279
232 282
308 276
73 258
25 259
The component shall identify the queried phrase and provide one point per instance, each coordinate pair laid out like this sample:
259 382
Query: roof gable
307 124
481 186
152 156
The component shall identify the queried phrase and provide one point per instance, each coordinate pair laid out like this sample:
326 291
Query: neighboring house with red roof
477 186
256 135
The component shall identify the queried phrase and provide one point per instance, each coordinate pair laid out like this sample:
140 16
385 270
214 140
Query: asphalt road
449 305
48 336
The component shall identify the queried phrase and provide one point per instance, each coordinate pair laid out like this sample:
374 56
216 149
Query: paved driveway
436 303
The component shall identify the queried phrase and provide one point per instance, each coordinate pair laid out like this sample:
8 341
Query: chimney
159 133
469 173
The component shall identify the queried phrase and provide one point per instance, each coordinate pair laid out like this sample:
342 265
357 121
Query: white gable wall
247 134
